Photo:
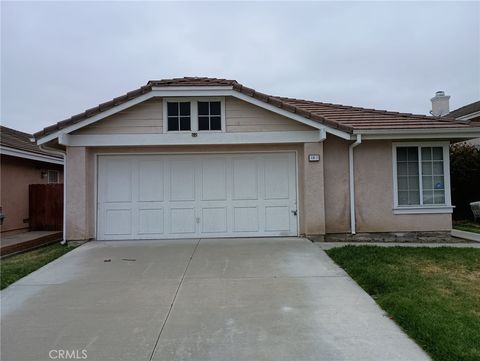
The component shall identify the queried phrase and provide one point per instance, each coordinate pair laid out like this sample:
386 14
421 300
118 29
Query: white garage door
202 195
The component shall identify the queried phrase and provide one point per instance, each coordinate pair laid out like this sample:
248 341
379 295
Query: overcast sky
61 58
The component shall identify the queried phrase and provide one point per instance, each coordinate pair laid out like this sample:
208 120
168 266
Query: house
468 113
23 163
206 157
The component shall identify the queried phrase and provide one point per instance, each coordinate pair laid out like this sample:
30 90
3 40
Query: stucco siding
337 197
80 197
373 191
17 175
374 194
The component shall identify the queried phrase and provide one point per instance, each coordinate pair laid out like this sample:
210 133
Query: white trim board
201 138
434 133
29 155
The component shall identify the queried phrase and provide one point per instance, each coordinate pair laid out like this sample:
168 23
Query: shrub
465 178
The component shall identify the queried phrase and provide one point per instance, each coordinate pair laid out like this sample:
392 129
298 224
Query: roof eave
425 133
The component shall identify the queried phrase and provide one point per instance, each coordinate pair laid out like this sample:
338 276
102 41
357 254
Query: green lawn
467 226
432 293
17 266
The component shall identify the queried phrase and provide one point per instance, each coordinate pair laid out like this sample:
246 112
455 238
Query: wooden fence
46 207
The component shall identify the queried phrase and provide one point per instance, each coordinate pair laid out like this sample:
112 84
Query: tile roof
465 110
16 139
345 118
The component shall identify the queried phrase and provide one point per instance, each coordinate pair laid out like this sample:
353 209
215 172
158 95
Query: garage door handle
294 212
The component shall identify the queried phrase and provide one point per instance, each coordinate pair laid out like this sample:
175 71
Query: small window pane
214 108
203 123
426 168
439 197
402 183
172 109
427 182
215 123
202 108
413 183
414 197
172 123
426 153
438 168
427 197
402 168
52 176
185 109
438 182
184 123
403 198
401 154
412 168
412 154
437 153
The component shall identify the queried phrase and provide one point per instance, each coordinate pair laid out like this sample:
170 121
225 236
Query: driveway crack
173 301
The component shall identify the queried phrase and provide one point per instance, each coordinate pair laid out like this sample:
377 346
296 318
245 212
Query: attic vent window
178 114
209 116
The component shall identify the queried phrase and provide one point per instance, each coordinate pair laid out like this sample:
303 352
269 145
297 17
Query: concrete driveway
223 299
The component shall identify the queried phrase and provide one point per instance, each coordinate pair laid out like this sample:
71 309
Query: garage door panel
214 220
150 180
214 179
117 185
182 180
151 221
277 183
277 218
182 220
245 178
118 222
245 219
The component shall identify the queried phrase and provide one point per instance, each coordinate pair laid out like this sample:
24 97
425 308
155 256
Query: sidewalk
329 245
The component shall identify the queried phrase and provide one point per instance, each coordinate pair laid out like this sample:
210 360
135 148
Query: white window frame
51 171
428 208
193 113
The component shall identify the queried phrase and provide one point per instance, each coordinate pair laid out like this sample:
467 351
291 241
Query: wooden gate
46 207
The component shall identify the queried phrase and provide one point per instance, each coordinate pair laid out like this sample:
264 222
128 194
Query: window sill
423 210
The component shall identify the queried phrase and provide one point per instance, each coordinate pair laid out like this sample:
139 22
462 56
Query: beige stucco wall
337 198
374 194
16 175
80 197
373 191
147 118
81 210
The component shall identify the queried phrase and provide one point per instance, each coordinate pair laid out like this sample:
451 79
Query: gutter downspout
64 156
352 182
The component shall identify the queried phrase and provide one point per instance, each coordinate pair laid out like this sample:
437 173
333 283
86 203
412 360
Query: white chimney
440 104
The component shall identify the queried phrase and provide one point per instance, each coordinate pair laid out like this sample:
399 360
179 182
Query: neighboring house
23 163
469 113
203 157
